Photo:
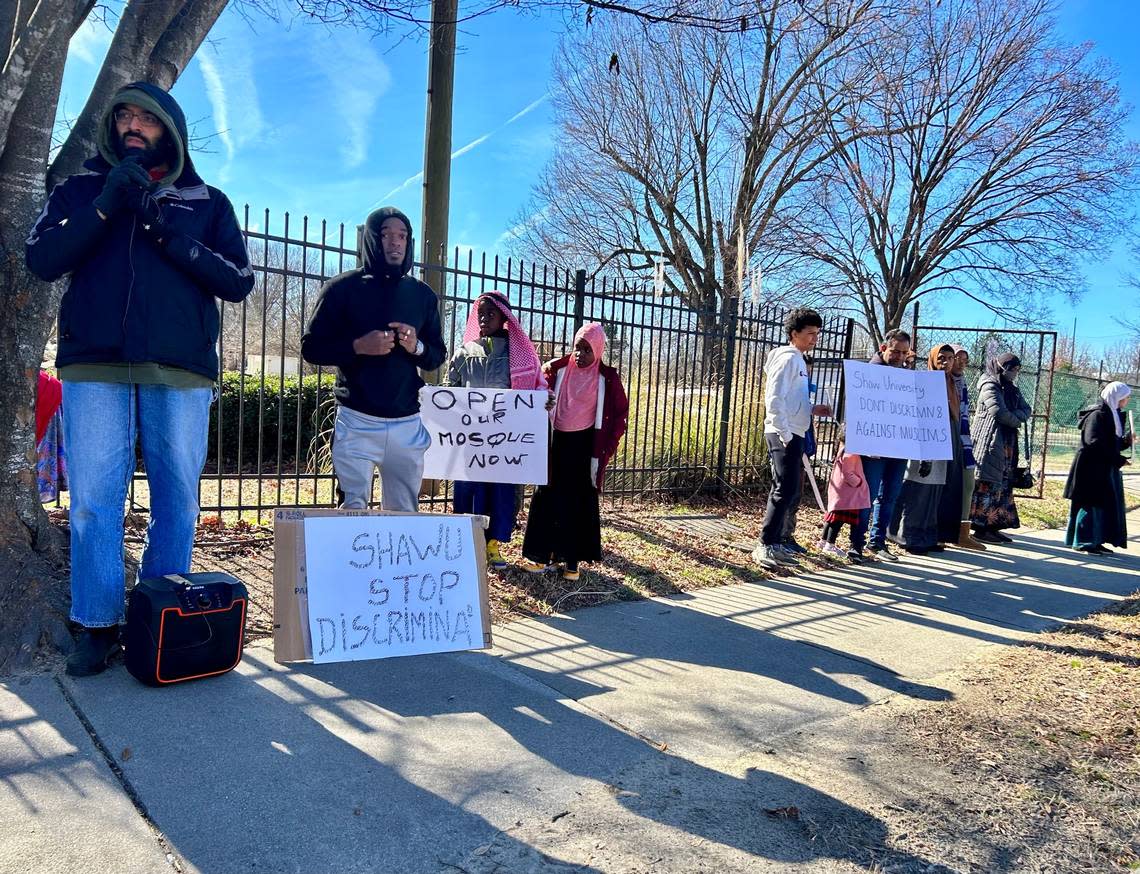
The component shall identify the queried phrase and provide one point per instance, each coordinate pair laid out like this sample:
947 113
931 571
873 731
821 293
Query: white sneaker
884 554
830 550
763 556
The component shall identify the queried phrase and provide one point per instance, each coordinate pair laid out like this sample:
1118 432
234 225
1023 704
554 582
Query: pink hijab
526 369
577 404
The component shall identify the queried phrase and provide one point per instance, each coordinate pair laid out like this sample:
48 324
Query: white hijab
1112 394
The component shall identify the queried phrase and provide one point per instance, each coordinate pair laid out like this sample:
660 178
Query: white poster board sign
381 586
893 412
485 435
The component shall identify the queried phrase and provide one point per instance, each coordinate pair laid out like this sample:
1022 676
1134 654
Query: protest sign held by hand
892 412
486 435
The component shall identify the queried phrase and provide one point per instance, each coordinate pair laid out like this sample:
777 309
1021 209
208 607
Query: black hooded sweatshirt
368 299
130 299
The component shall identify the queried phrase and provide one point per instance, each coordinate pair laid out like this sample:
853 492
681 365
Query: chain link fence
1072 392
1037 350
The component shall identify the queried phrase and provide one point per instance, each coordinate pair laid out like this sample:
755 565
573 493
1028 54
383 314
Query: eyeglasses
146 119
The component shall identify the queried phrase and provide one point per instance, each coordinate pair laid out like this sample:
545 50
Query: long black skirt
915 526
564 524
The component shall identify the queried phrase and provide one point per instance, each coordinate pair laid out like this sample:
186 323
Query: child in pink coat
847 494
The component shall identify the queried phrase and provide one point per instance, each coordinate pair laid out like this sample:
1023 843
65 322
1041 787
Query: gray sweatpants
362 443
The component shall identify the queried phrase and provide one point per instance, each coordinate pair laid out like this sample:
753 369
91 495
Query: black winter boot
92 651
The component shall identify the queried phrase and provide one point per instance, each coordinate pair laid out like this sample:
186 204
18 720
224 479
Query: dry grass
640 558
1041 748
1052 509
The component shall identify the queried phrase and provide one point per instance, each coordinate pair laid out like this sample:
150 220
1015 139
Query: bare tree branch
999 163
701 134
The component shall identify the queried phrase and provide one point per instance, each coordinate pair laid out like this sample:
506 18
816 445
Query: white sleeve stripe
240 271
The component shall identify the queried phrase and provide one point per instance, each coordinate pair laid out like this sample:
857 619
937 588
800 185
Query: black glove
150 216
123 181
924 469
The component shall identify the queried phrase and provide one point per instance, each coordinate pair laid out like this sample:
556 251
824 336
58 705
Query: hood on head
593 334
372 252
153 99
498 299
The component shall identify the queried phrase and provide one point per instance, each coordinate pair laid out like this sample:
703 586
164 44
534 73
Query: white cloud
478 141
91 40
353 97
518 230
463 150
527 109
416 178
227 69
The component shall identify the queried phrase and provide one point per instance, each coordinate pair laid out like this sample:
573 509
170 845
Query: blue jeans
494 500
102 422
884 480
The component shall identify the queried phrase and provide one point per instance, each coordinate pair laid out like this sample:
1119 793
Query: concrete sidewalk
628 737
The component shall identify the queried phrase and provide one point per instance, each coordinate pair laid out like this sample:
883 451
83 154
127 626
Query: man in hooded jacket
379 327
147 248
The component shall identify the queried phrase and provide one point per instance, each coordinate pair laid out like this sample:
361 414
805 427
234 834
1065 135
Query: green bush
295 408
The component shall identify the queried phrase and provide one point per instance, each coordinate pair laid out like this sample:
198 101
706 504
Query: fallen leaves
790 812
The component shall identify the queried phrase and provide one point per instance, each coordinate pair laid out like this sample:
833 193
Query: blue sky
330 123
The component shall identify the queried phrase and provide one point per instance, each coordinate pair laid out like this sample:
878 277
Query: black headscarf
1002 368
372 252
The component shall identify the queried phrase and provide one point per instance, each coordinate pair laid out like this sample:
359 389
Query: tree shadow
259 771
651 784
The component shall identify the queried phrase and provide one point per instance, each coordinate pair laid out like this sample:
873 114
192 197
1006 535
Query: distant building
272 365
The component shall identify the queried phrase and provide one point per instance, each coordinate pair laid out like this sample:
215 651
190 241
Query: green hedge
285 405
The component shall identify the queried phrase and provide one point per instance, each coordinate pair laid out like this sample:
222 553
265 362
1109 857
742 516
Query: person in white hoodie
787 417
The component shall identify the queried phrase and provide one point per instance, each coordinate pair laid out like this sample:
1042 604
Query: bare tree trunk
181 40
33 599
155 39
140 29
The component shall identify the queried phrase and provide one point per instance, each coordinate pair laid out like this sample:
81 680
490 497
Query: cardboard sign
364 584
892 412
485 435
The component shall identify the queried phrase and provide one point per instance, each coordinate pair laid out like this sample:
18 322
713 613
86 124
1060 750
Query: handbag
1022 476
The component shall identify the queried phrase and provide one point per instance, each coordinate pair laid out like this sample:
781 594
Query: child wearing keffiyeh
496 353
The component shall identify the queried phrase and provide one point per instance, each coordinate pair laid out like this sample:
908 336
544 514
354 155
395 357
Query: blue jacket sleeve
65 232
220 265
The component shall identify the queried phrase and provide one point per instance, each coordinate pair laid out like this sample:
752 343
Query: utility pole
437 165
437 148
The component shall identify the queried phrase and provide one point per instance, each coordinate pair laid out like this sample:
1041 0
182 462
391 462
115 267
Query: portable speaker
184 627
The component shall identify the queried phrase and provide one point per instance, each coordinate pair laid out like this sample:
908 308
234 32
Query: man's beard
149 155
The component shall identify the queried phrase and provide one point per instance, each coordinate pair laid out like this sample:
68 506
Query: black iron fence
693 379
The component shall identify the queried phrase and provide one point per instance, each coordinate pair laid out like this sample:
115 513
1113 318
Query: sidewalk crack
124 782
